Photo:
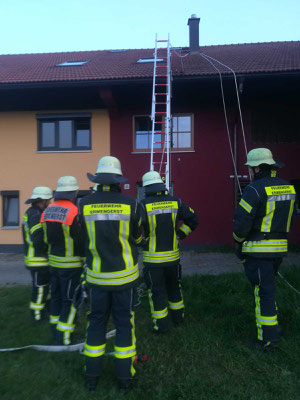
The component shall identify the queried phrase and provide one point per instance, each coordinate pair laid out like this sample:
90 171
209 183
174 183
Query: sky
42 26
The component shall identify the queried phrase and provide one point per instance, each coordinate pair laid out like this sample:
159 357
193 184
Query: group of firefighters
99 239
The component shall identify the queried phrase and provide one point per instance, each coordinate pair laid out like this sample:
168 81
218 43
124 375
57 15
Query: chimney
193 23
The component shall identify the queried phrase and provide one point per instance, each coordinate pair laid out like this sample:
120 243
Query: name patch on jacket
61 211
106 211
280 193
162 207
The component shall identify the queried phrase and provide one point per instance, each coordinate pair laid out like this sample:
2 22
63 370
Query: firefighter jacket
263 217
113 230
35 246
161 214
64 235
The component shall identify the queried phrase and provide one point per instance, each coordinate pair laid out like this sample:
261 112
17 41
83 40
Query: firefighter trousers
120 303
261 274
62 310
164 291
39 293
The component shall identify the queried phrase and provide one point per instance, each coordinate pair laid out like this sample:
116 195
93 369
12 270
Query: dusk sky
40 26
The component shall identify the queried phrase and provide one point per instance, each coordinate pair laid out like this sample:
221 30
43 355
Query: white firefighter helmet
260 156
67 184
151 177
40 192
109 165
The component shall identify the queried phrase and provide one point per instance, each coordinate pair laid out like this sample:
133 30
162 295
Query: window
181 133
72 63
275 124
10 208
64 132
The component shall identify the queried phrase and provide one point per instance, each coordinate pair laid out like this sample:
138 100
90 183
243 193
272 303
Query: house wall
23 168
202 178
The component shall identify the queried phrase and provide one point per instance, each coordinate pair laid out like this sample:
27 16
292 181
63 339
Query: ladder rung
159 122
160 112
160 102
161 84
161 94
162 40
161 66
162 132
161 75
158 162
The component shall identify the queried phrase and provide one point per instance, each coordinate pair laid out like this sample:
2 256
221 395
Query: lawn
206 358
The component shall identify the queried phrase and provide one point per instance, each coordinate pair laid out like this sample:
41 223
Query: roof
250 58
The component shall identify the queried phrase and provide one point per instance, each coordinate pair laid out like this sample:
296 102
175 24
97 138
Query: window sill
9 227
63 151
171 152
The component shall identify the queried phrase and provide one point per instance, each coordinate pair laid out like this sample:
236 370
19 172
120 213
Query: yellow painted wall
22 167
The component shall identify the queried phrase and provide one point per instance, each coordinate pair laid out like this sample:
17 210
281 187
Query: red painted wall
202 178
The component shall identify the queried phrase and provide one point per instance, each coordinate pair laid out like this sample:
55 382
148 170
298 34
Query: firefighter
161 214
35 250
64 236
113 230
262 221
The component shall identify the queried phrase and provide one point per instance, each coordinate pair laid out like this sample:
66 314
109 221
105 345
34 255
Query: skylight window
72 63
149 60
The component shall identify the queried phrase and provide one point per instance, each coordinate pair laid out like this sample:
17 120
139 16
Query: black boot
91 382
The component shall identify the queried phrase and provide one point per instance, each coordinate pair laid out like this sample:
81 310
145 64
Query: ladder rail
161 119
153 105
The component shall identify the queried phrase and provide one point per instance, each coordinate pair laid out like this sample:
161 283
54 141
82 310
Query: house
60 112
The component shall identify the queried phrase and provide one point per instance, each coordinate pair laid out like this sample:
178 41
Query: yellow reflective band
138 240
69 245
96 263
288 225
268 218
106 208
171 205
126 248
268 321
35 261
279 190
245 205
112 274
265 246
257 312
185 229
175 240
65 262
160 256
36 306
152 236
94 351
54 319
125 352
238 239
159 314
273 173
176 306
35 227
112 280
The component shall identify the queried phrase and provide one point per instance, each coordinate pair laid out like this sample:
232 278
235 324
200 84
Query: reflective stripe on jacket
264 215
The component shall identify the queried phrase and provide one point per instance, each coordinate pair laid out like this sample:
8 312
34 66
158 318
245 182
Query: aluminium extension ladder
161 110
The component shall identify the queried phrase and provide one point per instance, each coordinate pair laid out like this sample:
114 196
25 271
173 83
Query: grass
206 358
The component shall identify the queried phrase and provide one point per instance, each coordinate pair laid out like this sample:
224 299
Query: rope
141 292
237 95
287 283
226 119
